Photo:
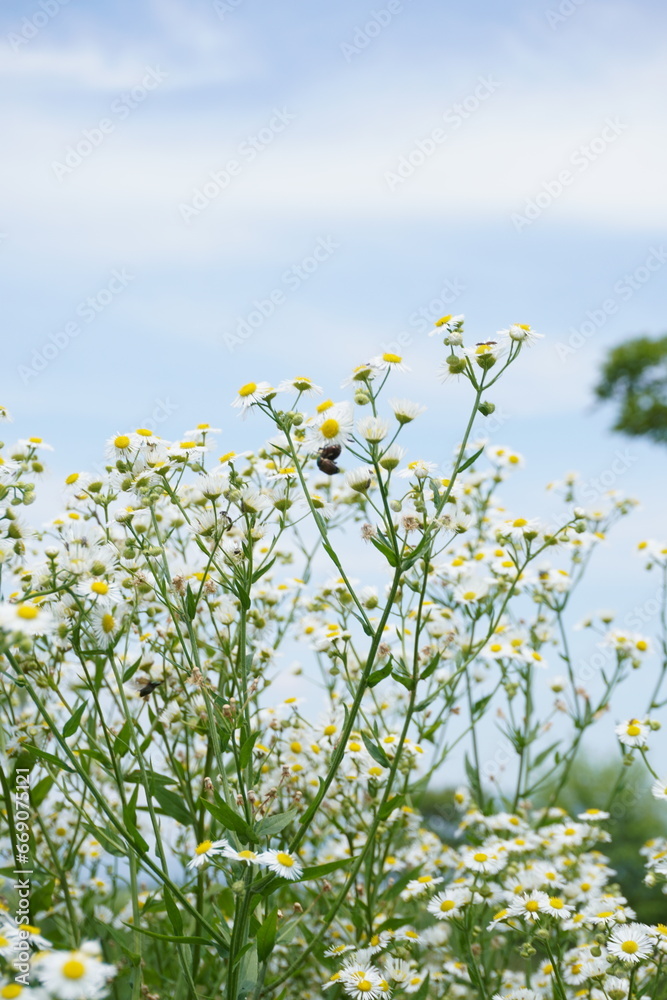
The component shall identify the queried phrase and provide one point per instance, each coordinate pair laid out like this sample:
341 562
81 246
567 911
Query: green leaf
131 670
173 912
121 745
245 754
190 604
259 573
319 871
171 804
229 819
177 938
108 843
376 752
272 825
379 675
43 755
385 550
266 936
72 723
404 679
391 804
40 791
470 461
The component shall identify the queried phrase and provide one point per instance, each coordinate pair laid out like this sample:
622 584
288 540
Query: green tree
634 376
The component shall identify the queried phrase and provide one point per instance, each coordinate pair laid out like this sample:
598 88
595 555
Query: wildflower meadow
185 817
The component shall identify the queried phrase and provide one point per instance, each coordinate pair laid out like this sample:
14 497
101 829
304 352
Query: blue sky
494 112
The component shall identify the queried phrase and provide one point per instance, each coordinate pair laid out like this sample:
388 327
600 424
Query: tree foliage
634 377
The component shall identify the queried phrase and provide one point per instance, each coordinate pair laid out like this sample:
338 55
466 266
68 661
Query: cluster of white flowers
214 816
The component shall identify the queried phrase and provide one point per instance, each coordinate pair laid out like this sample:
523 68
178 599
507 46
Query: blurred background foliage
635 818
634 377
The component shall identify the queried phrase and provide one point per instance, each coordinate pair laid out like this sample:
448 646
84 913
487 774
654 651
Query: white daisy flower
630 943
281 863
206 850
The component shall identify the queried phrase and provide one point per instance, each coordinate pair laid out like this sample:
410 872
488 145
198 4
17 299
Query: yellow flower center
35 440
329 730
188 444
27 611
326 405
204 847
469 595
480 857
330 428
122 441
634 730
10 991
364 986
99 587
73 969
68 482
285 860
247 389
295 746
447 905
556 903
108 623
520 522
354 747
532 906
629 947
247 855
425 879
392 359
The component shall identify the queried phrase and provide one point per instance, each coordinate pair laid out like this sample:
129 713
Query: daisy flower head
659 790
105 624
485 353
453 366
5 414
451 326
120 447
373 429
633 733
483 860
359 479
388 361
281 863
334 426
521 333
251 393
246 857
301 384
360 374
26 618
74 975
205 851
418 469
630 943
446 905
529 905
405 410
